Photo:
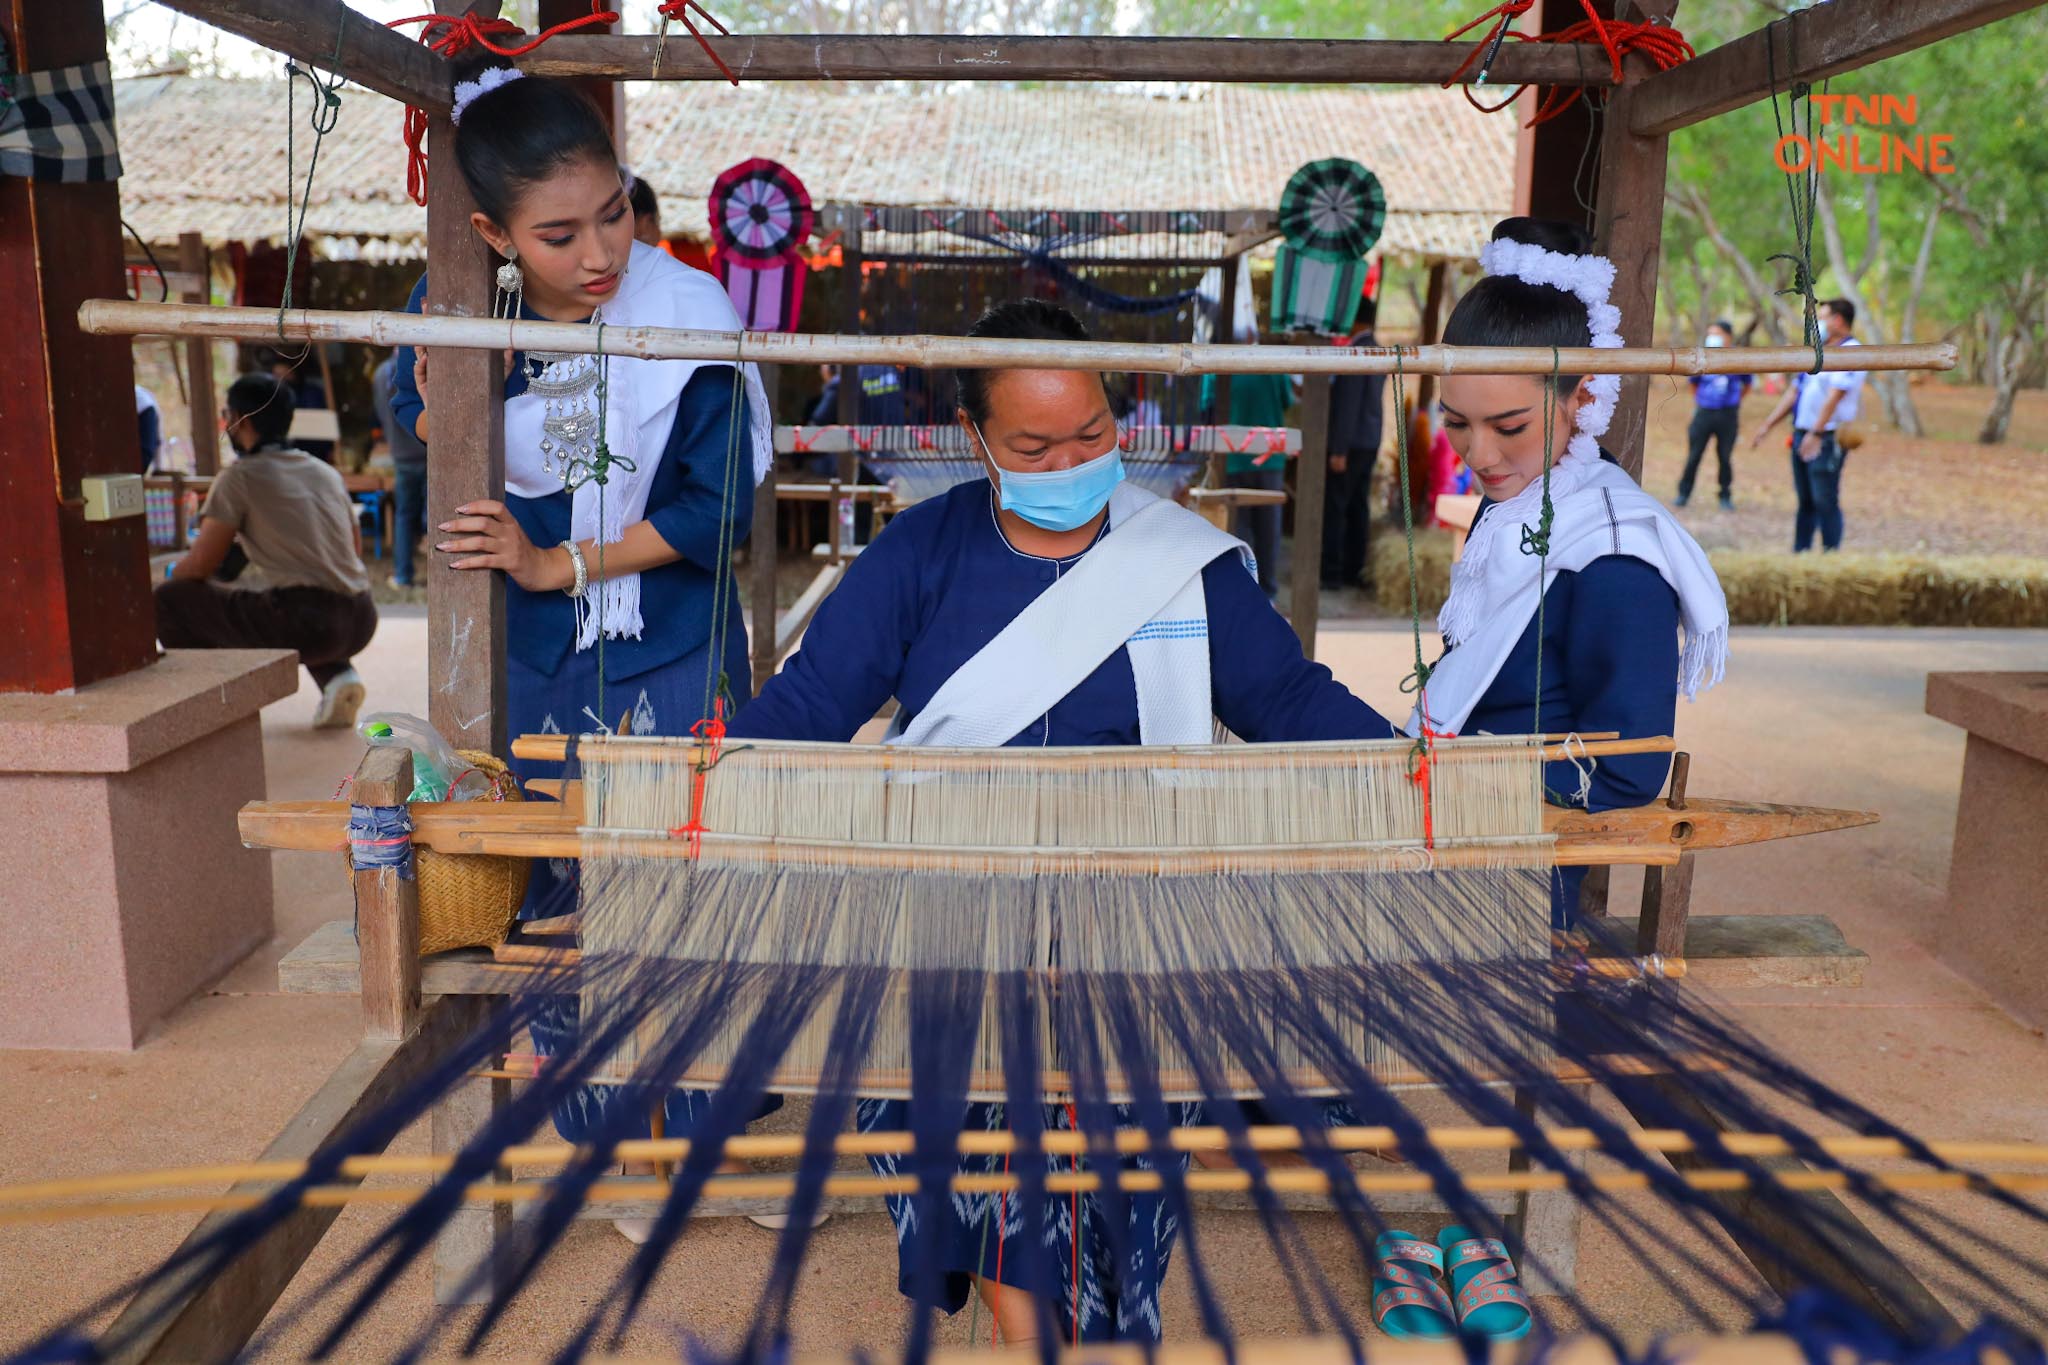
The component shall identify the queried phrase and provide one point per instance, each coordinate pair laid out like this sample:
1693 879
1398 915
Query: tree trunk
2007 363
1693 205
1891 385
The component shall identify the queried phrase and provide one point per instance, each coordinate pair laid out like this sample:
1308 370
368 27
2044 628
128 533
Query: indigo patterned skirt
1110 1296
663 701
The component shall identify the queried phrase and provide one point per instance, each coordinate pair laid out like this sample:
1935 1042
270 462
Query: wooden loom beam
1805 45
968 57
478 331
330 35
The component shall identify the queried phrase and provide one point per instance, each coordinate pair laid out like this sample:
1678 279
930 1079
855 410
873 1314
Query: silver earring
511 287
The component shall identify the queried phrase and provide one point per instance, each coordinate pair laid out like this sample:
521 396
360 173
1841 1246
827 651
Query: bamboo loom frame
123 317
405 1035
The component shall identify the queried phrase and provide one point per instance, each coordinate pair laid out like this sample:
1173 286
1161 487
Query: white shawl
1139 588
657 291
1599 510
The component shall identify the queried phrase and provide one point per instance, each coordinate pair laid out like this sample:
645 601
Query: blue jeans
1818 484
408 519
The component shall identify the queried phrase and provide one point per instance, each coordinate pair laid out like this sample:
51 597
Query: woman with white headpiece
631 568
1599 625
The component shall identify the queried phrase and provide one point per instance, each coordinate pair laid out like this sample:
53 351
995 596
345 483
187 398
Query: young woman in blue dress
641 561
1631 612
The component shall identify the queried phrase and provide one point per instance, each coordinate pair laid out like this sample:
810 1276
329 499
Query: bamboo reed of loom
980 1142
1220 758
1283 1181
120 317
1403 856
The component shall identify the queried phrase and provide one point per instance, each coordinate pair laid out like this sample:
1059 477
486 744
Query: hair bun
1552 234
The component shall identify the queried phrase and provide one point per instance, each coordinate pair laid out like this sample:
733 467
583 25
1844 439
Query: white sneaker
339 701
776 1222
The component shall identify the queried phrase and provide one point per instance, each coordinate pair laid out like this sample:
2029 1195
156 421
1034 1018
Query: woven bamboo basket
470 900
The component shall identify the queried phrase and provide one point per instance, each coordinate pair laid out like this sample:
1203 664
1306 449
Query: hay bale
1390 567
1776 589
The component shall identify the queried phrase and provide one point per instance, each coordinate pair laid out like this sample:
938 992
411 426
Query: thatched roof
209 155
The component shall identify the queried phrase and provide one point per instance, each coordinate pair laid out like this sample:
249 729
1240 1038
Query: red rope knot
927 439
1655 39
680 11
451 35
1423 754
798 444
711 732
863 440
1276 442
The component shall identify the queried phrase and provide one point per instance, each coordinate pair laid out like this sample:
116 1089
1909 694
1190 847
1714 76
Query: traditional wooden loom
416 1011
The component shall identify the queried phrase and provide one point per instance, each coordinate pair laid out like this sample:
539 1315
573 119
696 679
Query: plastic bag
438 772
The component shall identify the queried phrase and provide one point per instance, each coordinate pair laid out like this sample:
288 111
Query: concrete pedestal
1997 928
127 886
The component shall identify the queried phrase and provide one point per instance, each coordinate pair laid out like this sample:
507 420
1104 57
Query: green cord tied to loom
1802 214
597 470
1536 539
326 113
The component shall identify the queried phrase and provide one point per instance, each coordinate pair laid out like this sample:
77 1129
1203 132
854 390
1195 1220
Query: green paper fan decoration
1333 207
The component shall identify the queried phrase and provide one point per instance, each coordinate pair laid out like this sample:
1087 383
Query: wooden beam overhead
333 37
1806 45
856 57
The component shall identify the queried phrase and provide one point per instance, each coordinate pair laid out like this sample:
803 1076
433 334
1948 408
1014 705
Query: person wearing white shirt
1821 405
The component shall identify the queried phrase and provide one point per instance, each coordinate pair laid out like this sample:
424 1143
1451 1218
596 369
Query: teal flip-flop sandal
1486 1298
1408 1300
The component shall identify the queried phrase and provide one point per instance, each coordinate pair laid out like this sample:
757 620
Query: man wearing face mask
1717 414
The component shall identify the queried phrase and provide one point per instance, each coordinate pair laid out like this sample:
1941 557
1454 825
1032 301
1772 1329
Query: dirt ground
1940 494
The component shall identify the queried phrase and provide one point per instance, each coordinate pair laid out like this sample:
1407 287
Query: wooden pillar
1222 336
1432 328
466 435
609 95
849 375
1628 228
761 548
193 260
1311 476
387 907
1556 162
77 607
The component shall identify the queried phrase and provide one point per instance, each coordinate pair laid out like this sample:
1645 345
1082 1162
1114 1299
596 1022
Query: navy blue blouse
939 583
1610 662
685 504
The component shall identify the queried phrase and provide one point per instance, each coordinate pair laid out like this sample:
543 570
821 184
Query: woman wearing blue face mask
1050 603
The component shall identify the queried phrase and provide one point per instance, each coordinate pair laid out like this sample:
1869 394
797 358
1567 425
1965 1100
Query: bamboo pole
1219 758
1123 1142
1284 1181
122 317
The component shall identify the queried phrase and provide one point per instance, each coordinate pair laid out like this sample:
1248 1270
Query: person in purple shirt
1717 413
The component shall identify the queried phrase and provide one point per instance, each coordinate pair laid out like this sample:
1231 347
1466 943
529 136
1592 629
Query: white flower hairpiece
489 79
1589 279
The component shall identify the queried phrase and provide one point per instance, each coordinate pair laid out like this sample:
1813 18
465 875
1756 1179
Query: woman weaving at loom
1596 647
1050 604
628 481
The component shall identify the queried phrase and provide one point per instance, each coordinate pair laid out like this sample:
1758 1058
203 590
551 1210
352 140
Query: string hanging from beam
1663 44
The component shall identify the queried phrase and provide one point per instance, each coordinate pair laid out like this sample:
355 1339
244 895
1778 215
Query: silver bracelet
582 583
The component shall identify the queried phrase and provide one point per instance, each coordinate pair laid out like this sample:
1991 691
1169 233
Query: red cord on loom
1425 746
451 35
679 10
711 730
1664 45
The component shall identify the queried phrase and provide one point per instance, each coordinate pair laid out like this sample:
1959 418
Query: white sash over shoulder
1139 587
642 398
